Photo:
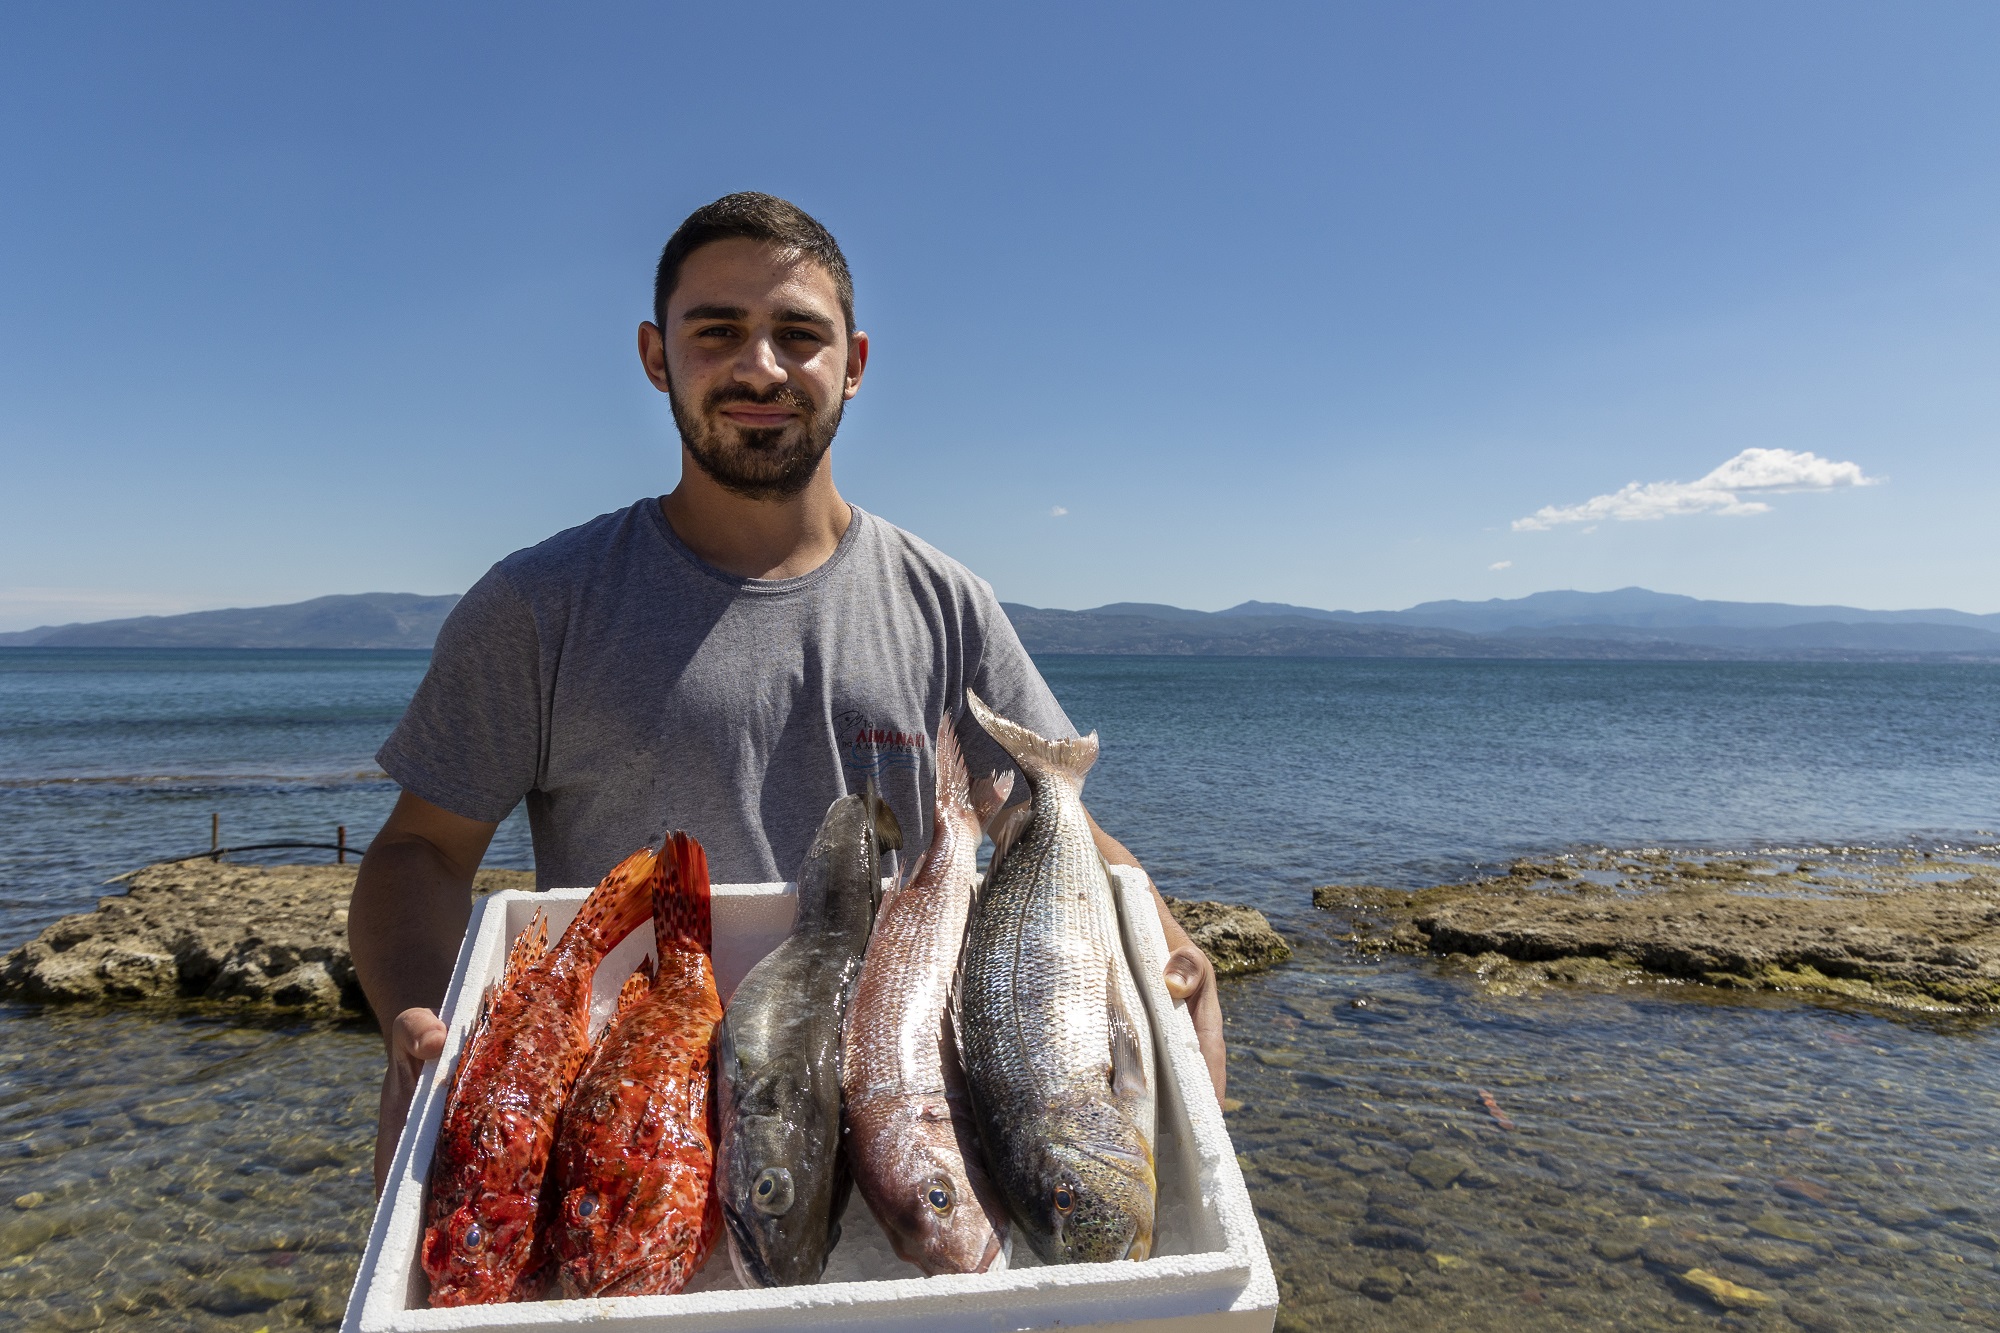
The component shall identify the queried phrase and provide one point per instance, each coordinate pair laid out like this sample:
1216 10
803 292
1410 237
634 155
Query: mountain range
355 620
1628 624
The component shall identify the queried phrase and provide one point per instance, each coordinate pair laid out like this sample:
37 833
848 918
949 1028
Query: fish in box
1207 1268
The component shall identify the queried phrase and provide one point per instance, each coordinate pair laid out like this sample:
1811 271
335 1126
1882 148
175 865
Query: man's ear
653 355
857 362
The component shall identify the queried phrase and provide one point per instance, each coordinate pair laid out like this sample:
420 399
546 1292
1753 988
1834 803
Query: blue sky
1306 304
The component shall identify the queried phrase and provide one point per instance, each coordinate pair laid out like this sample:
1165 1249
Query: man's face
758 364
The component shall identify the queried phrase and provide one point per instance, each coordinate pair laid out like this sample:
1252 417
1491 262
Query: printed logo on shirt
871 750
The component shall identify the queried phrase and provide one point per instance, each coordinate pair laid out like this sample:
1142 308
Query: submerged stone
1384 1284
1725 1293
1616 1249
1438 1169
1777 1225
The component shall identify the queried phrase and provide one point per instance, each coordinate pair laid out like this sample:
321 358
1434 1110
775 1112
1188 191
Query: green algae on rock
248 935
1906 929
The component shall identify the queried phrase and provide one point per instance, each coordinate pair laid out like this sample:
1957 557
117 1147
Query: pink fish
911 1139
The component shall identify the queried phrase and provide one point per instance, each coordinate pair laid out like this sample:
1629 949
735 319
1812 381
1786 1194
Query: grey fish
1053 1034
780 1173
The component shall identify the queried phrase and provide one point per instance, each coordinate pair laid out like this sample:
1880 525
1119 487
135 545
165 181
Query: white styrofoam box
1209 1270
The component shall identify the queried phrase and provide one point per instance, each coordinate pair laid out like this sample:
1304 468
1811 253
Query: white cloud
1501 564
1057 512
1730 489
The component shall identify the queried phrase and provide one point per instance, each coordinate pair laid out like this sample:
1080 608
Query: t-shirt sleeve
471 739
1006 678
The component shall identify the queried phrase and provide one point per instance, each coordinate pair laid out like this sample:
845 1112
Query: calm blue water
1239 779
110 758
163 1170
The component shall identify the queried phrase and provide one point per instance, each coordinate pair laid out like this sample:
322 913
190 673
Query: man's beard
772 463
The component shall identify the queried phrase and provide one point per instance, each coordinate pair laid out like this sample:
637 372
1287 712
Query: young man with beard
727 659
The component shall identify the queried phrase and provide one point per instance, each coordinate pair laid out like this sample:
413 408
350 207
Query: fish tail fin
528 948
682 918
619 905
954 787
634 990
888 831
1039 757
990 796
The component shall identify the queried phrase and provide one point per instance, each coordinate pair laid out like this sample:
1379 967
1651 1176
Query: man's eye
715 331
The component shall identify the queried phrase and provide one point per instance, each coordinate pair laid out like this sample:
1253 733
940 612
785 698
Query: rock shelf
1236 939
275 937
1907 928
252 935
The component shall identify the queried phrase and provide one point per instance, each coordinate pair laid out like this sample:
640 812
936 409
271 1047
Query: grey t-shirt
624 686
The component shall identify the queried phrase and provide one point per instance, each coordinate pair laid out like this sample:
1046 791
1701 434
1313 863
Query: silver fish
780 1172
910 1138
1057 1047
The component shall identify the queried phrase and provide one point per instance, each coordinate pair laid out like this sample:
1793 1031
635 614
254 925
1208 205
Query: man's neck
757 539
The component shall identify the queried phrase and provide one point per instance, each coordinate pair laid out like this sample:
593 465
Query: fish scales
781 1174
482 1238
630 1184
1057 1048
910 1136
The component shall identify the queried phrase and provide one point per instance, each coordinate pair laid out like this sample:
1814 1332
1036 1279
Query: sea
166 1169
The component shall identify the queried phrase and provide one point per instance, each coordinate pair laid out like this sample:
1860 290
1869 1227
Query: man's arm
1189 974
404 925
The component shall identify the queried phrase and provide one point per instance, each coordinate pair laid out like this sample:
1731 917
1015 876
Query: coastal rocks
1236 939
195 930
1889 929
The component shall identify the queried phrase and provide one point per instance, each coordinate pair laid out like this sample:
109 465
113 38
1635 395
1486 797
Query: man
727 659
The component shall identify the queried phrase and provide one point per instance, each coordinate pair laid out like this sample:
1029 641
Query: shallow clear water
1840 1162
111 758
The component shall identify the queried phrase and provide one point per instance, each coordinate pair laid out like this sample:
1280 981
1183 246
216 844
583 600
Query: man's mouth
757 416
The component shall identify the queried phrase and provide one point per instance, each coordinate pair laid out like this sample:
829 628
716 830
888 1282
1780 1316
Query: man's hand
411 902
417 1035
1191 980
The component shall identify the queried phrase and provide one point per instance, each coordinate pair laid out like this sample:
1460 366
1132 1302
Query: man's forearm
405 923
1118 854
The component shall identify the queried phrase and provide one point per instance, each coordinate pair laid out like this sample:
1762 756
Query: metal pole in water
215 830
341 839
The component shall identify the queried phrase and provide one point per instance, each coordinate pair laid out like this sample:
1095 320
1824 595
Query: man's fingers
1184 973
418 1035
1188 975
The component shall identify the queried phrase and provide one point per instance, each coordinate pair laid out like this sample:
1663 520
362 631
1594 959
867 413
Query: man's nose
758 365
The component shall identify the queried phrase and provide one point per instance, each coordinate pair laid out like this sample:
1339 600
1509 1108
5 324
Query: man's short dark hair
756 217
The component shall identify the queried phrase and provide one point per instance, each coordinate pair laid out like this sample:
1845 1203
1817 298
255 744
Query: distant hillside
1549 629
1639 608
1171 631
1631 624
357 620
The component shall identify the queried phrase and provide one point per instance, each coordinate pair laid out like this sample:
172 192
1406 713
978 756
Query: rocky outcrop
1900 928
255 935
1236 939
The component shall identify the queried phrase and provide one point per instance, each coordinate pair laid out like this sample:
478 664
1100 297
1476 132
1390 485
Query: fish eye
1064 1200
772 1194
938 1196
586 1207
473 1235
